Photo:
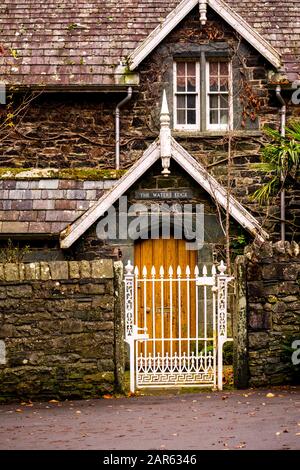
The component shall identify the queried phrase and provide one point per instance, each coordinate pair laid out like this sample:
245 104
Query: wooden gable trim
217 191
150 156
222 9
83 223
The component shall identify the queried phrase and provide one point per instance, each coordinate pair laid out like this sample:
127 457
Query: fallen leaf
278 433
107 396
297 433
285 430
78 412
270 395
241 445
224 397
246 395
18 410
53 401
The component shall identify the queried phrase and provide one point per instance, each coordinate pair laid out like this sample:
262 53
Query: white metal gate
176 326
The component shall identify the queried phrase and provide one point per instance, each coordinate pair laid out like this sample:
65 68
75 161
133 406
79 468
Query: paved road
227 420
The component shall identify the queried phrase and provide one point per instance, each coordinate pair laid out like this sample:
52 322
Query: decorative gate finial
203 11
165 136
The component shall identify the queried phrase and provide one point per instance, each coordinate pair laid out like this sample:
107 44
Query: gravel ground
253 419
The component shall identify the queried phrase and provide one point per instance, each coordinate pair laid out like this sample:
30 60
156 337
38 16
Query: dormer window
217 81
190 95
187 87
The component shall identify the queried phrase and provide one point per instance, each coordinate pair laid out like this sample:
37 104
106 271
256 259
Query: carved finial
222 268
165 135
129 268
203 11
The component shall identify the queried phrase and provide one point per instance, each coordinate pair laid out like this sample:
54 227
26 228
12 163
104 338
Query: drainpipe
117 126
282 131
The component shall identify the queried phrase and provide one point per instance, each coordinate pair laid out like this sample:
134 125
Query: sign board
164 194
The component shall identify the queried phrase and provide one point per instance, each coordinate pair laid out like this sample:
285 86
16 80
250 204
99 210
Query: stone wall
60 329
266 328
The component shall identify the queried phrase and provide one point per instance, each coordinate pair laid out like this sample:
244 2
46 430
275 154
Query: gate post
222 285
129 319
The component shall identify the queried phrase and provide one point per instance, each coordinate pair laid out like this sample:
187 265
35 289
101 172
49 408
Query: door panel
167 309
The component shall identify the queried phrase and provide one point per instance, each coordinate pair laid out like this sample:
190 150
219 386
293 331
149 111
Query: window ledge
197 134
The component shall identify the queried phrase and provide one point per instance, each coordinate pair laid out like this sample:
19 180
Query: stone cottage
148 103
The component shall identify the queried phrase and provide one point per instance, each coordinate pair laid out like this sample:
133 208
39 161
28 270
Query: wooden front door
167 308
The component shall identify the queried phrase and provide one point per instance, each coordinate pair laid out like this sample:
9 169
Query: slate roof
46 206
79 42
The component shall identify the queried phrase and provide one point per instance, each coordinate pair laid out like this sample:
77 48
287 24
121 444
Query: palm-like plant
281 159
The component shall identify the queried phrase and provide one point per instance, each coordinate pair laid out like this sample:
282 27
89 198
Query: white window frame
229 125
186 127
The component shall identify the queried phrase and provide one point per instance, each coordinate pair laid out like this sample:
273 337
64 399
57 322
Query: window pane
224 101
181 69
191 84
224 68
213 117
213 84
191 68
191 116
181 102
213 68
191 101
223 84
180 83
181 117
213 102
224 116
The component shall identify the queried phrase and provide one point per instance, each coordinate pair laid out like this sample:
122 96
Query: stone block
288 288
2 293
85 269
19 291
74 270
2 277
59 270
22 271
32 271
271 271
290 272
102 269
45 271
92 289
258 340
11 272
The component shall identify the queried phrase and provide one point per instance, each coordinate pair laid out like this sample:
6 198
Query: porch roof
191 166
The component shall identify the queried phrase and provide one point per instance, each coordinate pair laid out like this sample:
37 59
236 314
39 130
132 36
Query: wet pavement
252 419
